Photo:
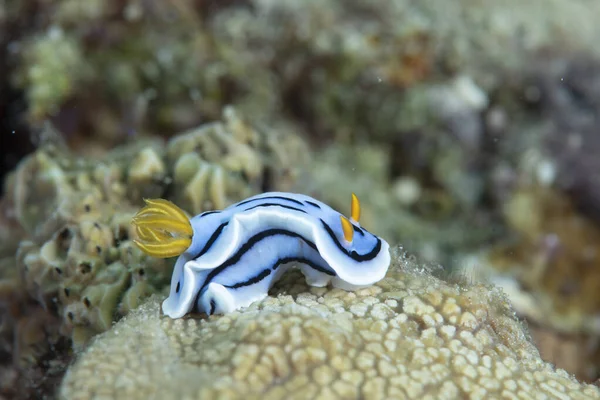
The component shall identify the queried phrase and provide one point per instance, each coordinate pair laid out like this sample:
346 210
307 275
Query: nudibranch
230 258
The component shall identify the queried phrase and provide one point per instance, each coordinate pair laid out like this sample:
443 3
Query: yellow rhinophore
164 229
354 217
355 209
347 228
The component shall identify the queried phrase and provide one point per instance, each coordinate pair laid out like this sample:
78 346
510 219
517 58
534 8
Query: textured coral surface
432 111
68 266
410 336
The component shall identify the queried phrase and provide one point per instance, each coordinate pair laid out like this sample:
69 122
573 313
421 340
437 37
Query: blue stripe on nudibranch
237 253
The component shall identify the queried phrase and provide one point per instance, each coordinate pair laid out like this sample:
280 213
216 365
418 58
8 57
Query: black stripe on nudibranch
219 230
213 305
213 238
267 271
255 279
211 241
270 197
204 214
353 254
275 205
247 246
306 261
357 229
310 203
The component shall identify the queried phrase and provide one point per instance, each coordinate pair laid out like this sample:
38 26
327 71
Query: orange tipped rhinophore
355 209
347 226
164 229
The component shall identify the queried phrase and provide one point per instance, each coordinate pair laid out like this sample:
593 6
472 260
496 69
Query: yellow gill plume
164 230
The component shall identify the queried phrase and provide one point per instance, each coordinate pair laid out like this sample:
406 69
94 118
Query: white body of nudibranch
238 253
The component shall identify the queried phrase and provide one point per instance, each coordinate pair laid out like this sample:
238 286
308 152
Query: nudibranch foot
313 277
216 299
229 259
220 299
342 284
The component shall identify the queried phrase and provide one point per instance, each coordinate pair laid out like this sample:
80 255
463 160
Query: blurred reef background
469 129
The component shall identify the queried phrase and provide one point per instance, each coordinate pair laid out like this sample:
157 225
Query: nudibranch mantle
236 254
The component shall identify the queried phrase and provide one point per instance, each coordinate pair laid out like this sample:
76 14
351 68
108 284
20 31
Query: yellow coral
409 336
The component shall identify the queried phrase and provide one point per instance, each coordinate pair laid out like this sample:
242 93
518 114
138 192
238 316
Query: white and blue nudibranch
230 258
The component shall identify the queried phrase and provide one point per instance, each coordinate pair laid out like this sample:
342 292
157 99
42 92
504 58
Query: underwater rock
577 353
428 227
11 232
411 335
50 182
548 267
70 217
82 271
570 96
30 341
340 67
55 67
147 174
218 164
203 157
554 256
348 69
